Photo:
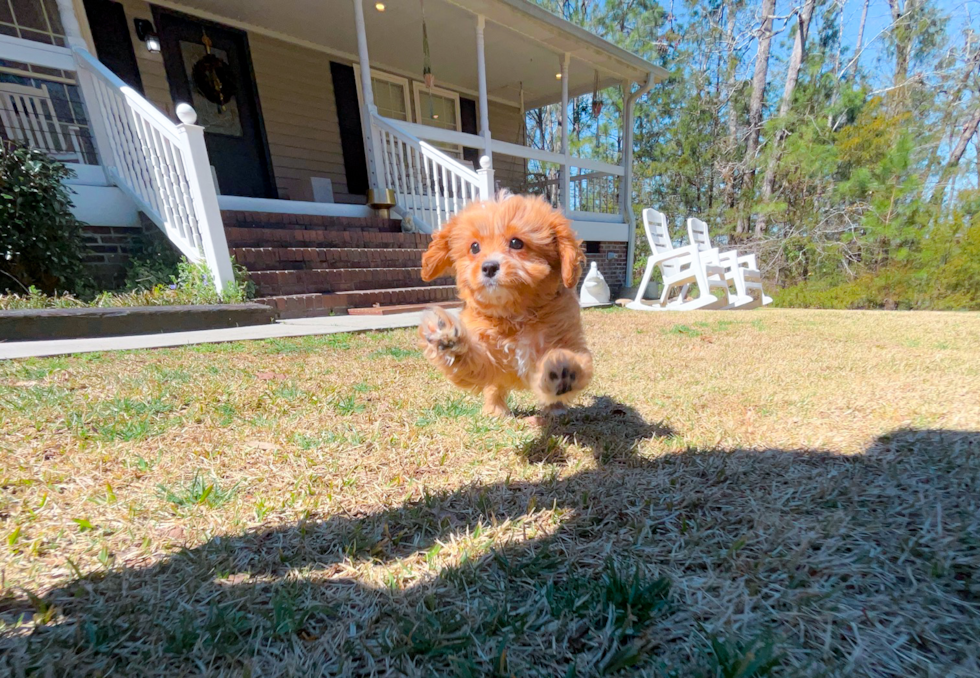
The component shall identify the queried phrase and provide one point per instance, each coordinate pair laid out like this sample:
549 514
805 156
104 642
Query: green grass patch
454 408
198 492
123 419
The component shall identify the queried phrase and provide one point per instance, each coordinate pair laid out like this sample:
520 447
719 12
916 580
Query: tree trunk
969 129
728 172
792 77
902 34
860 39
755 107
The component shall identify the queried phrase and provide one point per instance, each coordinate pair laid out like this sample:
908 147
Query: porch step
315 265
324 280
289 236
404 308
233 218
309 305
299 258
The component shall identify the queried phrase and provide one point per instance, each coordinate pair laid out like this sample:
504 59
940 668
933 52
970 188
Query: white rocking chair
740 270
28 115
680 267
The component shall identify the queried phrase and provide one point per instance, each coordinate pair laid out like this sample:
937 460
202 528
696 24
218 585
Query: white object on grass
741 270
680 268
595 291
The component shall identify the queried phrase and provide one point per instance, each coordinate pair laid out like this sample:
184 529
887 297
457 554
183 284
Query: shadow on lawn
635 557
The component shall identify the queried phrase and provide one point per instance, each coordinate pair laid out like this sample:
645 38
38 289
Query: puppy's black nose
490 268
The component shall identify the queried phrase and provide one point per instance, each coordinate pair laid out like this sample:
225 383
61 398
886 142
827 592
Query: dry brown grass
798 487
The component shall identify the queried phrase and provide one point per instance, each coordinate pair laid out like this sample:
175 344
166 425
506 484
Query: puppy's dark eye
516 243
475 248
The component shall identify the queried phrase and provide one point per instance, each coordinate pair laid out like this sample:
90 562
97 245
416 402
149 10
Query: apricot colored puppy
517 263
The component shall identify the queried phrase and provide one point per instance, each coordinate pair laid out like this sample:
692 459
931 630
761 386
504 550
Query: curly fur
520 328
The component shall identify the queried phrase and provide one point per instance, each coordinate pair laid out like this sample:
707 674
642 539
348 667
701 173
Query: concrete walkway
285 328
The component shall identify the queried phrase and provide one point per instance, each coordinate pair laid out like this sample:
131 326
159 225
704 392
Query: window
390 94
440 108
36 20
592 247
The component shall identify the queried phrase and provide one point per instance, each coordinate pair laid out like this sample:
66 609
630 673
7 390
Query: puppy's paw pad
562 377
441 331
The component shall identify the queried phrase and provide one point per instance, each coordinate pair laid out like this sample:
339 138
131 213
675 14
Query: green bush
40 240
153 261
191 285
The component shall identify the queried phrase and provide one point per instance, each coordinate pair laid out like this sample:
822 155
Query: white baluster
417 191
404 173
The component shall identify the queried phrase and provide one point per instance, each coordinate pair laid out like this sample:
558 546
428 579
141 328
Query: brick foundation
109 248
612 269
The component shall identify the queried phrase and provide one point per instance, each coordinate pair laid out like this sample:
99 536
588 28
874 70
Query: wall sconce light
380 6
147 34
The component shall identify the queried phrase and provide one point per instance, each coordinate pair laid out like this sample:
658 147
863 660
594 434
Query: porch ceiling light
147 34
380 6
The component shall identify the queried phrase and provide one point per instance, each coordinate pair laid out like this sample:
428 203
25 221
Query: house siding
299 109
297 100
506 125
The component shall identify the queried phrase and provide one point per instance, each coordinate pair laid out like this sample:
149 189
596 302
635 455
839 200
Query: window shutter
351 134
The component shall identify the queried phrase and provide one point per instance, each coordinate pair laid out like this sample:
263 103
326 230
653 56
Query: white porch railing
162 166
429 185
594 192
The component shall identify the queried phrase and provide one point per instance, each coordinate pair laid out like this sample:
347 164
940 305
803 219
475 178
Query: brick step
289 237
324 280
310 305
403 308
297 258
309 222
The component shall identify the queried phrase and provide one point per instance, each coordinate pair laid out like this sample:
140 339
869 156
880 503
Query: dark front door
110 32
222 91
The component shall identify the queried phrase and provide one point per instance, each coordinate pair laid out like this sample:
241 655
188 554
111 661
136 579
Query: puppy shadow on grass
607 566
611 429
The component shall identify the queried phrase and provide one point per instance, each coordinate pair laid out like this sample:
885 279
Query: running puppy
517 263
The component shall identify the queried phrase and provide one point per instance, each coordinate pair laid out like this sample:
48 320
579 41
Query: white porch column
566 152
69 21
96 122
368 110
481 69
626 183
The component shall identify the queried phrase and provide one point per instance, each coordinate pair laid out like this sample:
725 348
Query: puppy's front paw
563 374
442 333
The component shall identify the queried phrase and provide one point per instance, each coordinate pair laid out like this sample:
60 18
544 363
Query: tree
792 77
756 101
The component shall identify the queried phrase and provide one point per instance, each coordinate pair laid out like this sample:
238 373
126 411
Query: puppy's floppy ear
436 259
569 251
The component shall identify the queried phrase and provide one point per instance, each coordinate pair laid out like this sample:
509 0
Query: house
317 141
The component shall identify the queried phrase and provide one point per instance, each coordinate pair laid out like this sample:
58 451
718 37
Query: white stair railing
161 165
429 185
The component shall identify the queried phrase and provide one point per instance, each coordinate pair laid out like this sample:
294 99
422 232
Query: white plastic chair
28 115
680 267
740 270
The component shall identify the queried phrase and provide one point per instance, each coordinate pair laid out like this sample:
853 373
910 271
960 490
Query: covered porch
332 102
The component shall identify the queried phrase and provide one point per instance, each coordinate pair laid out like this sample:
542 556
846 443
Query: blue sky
961 13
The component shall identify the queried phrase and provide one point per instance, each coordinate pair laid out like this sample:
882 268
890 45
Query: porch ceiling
523 42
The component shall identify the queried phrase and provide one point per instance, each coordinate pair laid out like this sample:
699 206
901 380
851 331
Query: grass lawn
767 493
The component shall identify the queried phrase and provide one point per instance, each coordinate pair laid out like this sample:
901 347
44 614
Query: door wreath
214 78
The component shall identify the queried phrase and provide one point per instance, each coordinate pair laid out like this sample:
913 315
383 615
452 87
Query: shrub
153 262
40 240
191 285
